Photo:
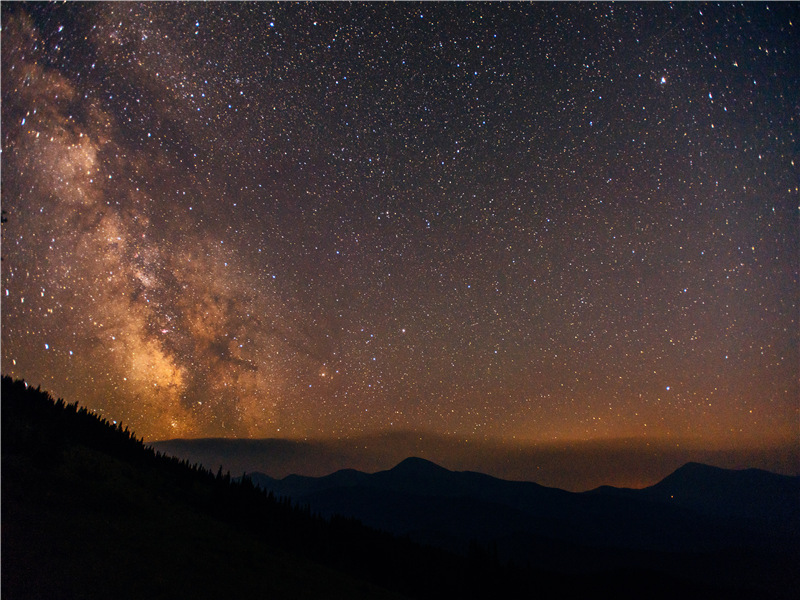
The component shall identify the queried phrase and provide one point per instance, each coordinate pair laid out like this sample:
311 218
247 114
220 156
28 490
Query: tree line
46 429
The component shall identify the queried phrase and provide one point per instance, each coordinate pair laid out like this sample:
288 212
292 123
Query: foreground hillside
88 511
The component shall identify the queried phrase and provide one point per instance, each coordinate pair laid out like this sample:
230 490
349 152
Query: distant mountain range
698 521
753 495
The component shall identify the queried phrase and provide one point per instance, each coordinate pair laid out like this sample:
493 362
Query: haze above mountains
574 466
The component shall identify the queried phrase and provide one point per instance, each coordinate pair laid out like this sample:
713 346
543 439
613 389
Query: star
533 221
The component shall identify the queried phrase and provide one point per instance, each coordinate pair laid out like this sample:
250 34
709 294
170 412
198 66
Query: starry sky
509 222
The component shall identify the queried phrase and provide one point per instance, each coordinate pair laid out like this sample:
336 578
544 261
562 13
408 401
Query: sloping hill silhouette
89 512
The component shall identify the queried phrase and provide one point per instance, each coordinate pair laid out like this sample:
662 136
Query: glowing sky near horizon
508 221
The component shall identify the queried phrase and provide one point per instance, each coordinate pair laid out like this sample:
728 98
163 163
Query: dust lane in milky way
504 221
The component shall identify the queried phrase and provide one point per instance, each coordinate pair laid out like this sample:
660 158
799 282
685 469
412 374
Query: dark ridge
754 495
90 511
607 529
414 464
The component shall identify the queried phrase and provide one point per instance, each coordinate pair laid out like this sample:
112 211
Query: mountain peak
698 473
696 467
414 464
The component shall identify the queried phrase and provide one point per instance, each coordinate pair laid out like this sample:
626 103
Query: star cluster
506 221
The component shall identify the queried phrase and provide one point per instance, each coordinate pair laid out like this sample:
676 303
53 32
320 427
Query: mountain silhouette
695 520
749 493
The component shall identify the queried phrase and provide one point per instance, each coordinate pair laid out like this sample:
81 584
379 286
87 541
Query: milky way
496 221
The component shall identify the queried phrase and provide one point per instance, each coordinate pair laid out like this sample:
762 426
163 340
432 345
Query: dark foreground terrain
88 511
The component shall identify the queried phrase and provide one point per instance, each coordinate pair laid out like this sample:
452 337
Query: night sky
507 222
